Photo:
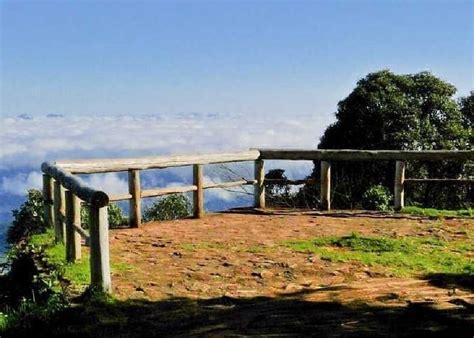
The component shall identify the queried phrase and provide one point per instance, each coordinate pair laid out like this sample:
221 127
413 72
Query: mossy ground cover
77 273
437 213
402 256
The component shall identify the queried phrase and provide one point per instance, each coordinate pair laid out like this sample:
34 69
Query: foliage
40 274
34 276
278 194
466 105
401 256
168 208
116 217
436 213
28 219
400 112
377 197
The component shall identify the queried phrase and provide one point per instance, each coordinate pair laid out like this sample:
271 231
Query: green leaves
401 112
377 197
167 208
28 219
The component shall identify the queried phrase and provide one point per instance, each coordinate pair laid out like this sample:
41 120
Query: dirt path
240 256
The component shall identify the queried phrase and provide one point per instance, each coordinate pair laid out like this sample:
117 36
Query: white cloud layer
26 143
20 183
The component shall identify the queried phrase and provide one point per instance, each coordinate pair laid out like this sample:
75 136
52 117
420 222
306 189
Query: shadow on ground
312 212
260 316
452 281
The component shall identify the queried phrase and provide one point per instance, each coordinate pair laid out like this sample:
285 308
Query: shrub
116 216
377 197
169 207
28 219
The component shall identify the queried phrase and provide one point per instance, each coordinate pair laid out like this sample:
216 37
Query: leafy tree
466 105
400 112
28 219
277 194
167 208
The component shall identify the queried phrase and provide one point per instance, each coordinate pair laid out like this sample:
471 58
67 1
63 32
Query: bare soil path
239 257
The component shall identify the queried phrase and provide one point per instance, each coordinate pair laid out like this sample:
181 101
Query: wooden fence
64 191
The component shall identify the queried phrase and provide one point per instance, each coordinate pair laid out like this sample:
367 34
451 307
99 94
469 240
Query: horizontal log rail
229 184
63 191
365 155
120 197
167 191
76 184
440 180
156 162
180 190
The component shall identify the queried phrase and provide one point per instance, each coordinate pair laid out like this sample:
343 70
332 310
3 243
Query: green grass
402 256
437 213
77 273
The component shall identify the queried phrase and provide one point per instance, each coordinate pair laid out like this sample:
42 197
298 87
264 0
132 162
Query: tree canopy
406 112
400 112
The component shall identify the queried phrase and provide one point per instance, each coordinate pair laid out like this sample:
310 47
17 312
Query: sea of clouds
28 141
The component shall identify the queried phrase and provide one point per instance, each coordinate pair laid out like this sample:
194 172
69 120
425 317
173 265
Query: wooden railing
64 191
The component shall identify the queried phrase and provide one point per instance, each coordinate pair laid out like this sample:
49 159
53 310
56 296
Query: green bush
28 219
116 216
166 208
377 197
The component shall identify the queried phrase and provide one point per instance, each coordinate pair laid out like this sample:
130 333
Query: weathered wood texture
119 197
99 249
229 184
199 193
168 191
365 155
135 203
48 188
59 211
260 186
190 188
83 233
156 162
399 188
325 185
75 184
73 217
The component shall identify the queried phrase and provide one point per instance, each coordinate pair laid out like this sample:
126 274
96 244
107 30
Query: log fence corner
63 191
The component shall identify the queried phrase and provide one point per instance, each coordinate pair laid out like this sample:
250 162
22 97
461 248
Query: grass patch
77 273
437 213
402 256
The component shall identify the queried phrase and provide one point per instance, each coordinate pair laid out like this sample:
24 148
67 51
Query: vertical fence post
134 188
199 193
325 185
399 188
73 217
260 186
48 200
58 211
99 249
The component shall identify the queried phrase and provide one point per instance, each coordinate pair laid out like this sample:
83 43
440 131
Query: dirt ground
238 256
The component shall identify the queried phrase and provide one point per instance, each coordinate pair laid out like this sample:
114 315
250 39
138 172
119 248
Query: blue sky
245 57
